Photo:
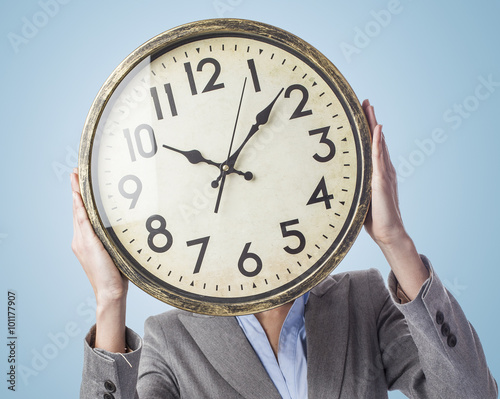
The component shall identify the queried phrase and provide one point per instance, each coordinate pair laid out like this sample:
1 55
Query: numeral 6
249 255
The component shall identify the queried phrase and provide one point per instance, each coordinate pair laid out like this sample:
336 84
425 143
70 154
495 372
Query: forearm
110 287
406 264
110 325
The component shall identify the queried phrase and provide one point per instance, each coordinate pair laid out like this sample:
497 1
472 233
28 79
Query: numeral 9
134 196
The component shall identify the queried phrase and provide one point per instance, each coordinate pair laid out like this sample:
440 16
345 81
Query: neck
271 322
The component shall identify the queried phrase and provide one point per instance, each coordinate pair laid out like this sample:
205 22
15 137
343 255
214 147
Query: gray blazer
360 343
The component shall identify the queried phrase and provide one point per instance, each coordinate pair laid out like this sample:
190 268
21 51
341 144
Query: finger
80 215
377 151
75 181
385 151
74 187
372 120
77 214
75 194
370 115
390 171
387 157
78 243
365 105
76 230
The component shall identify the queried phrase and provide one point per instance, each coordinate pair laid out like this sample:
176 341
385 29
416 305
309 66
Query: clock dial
228 171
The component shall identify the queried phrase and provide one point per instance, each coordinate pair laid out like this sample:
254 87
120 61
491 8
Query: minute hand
261 119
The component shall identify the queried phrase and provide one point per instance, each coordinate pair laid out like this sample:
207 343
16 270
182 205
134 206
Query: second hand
224 167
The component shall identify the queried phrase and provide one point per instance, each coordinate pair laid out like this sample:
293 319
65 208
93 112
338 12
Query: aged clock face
225 166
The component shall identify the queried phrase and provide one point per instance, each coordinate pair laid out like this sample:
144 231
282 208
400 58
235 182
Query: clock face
226 172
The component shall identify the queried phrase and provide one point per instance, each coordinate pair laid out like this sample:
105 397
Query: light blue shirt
289 371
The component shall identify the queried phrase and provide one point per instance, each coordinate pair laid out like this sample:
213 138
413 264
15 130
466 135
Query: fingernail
75 170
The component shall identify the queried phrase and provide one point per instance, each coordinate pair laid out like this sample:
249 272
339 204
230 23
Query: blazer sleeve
143 372
450 362
110 375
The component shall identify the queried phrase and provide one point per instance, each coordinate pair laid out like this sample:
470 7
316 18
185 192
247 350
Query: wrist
399 244
106 306
406 264
401 254
111 297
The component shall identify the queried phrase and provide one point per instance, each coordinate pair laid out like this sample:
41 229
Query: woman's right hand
107 282
110 286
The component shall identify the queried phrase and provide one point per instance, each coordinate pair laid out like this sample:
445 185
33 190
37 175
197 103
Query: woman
358 339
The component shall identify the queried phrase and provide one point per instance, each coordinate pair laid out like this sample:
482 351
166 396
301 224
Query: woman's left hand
383 221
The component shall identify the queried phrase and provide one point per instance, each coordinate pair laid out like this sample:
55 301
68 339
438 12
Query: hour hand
261 119
193 156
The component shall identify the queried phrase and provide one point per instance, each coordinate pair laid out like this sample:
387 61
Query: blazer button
452 340
445 329
108 396
110 387
439 317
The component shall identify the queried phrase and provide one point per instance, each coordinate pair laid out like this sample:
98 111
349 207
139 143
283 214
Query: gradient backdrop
432 70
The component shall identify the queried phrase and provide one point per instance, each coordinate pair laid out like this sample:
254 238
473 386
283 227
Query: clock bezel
275 36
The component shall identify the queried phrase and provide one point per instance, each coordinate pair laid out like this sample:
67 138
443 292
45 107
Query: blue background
417 68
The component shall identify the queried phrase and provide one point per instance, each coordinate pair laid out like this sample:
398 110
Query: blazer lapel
226 347
327 327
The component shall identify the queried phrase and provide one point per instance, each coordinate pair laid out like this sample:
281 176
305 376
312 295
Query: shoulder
169 318
177 322
359 276
170 330
365 289
368 279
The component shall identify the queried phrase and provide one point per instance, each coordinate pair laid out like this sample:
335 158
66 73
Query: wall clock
225 165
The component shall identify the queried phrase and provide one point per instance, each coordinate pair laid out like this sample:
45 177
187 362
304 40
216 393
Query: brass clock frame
171 38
